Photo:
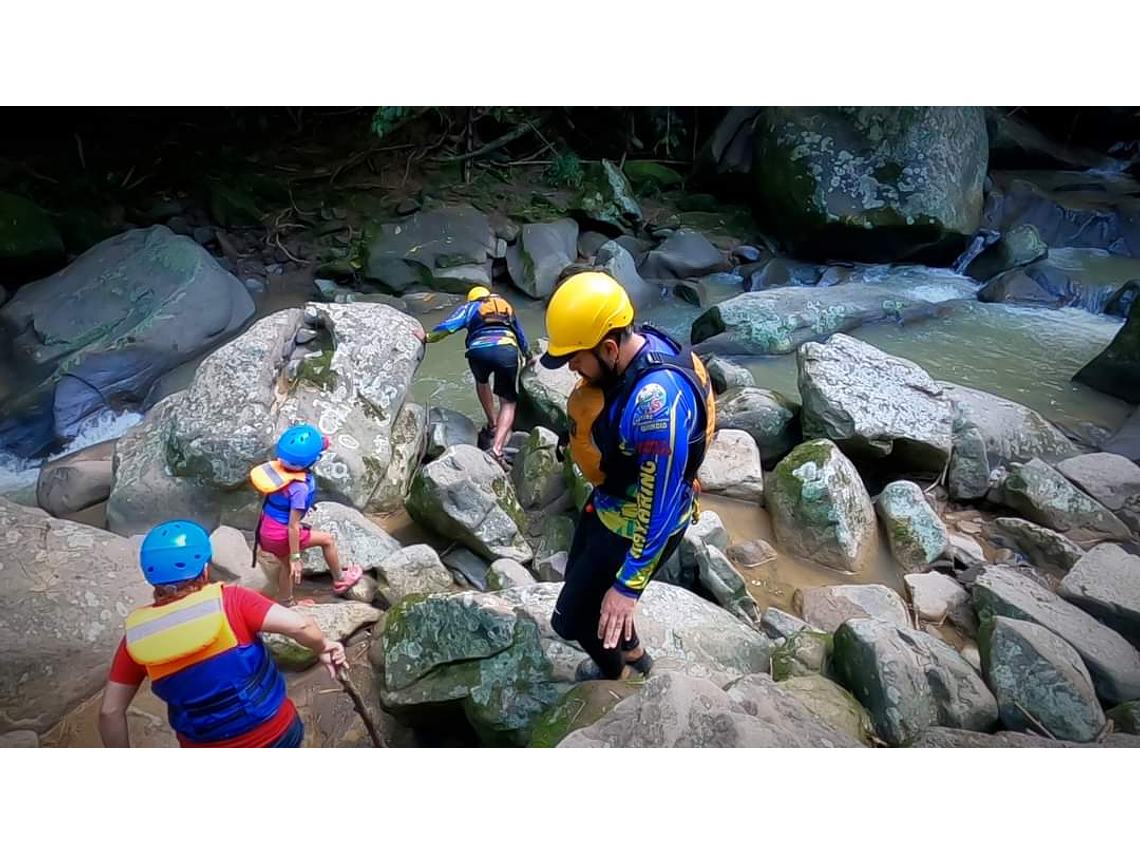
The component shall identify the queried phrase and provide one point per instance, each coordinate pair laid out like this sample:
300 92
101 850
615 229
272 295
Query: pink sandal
349 577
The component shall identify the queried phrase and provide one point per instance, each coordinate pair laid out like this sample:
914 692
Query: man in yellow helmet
495 344
640 420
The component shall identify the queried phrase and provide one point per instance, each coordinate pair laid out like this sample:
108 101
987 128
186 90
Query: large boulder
916 533
606 203
828 608
768 417
542 252
543 393
910 681
195 449
1112 480
820 508
779 320
1116 372
496 658
1106 584
684 254
103 330
732 466
1112 662
73 483
144 490
1039 680
354 392
358 539
874 405
66 589
449 249
1042 495
675 711
30 244
1047 550
465 495
991 432
537 471
874 183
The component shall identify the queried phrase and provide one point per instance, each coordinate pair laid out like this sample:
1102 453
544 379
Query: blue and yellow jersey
471 316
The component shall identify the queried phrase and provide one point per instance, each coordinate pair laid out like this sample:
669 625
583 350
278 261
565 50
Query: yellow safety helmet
478 293
584 308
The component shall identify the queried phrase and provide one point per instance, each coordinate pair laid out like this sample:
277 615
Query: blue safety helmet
300 446
174 551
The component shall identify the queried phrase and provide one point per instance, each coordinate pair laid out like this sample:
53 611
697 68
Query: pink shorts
274 537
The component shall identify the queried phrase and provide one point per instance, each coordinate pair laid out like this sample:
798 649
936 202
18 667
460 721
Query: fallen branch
137 182
940 479
352 161
495 144
361 709
1034 721
39 175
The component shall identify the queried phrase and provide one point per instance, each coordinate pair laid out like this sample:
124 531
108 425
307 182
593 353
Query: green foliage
386 118
565 170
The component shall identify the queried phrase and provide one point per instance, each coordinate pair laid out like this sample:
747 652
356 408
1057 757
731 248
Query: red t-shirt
246 611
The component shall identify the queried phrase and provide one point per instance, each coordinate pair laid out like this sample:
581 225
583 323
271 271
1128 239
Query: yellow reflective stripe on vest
137 633
157 635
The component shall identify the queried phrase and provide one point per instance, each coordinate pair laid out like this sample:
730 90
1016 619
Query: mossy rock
648 176
583 705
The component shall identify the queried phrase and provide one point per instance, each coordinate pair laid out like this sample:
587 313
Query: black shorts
502 360
596 556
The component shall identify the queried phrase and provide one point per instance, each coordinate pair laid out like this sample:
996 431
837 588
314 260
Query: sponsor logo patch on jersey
650 402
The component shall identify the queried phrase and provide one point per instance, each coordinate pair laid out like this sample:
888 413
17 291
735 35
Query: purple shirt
298 492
